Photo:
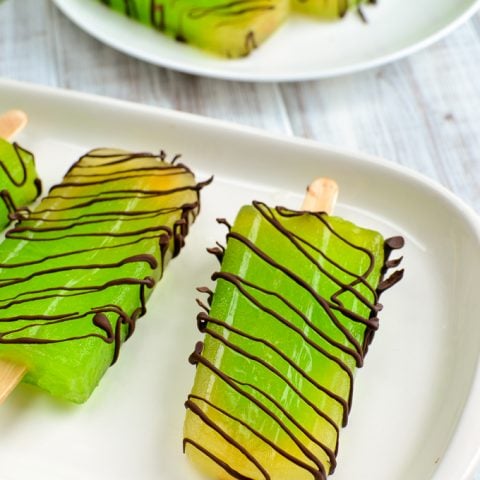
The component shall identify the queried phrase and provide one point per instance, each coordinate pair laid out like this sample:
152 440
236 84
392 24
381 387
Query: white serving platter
415 413
302 49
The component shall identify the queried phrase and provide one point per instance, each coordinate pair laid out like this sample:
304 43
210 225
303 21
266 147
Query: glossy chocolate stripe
136 172
8 201
115 214
13 234
229 9
118 178
128 194
80 291
118 158
86 250
142 258
132 191
231 471
39 318
113 179
81 224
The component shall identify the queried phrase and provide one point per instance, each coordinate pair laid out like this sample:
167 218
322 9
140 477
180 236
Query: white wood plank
26 51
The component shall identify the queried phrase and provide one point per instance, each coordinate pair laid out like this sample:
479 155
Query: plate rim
316 74
463 428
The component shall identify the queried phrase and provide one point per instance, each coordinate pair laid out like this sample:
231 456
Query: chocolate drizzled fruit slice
230 28
293 313
328 9
76 272
19 183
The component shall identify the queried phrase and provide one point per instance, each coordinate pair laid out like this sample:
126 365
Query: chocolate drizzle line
103 176
335 312
17 181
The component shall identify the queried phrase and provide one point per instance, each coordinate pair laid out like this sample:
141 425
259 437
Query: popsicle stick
11 374
321 196
11 123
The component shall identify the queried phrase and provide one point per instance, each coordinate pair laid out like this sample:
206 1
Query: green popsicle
19 183
294 310
228 28
76 272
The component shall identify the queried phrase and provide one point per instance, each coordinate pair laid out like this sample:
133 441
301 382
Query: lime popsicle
228 28
293 313
19 183
76 272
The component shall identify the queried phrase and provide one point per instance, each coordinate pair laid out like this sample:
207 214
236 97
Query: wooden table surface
422 112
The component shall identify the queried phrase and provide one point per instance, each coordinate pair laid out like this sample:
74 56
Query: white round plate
302 49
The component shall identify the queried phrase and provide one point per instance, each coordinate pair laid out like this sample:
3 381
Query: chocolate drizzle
157 16
343 351
232 8
18 176
129 213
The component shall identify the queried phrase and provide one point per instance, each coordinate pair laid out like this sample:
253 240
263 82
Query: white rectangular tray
415 413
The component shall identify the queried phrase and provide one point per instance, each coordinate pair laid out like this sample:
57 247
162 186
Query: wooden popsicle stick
11 123
321 196
11 374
